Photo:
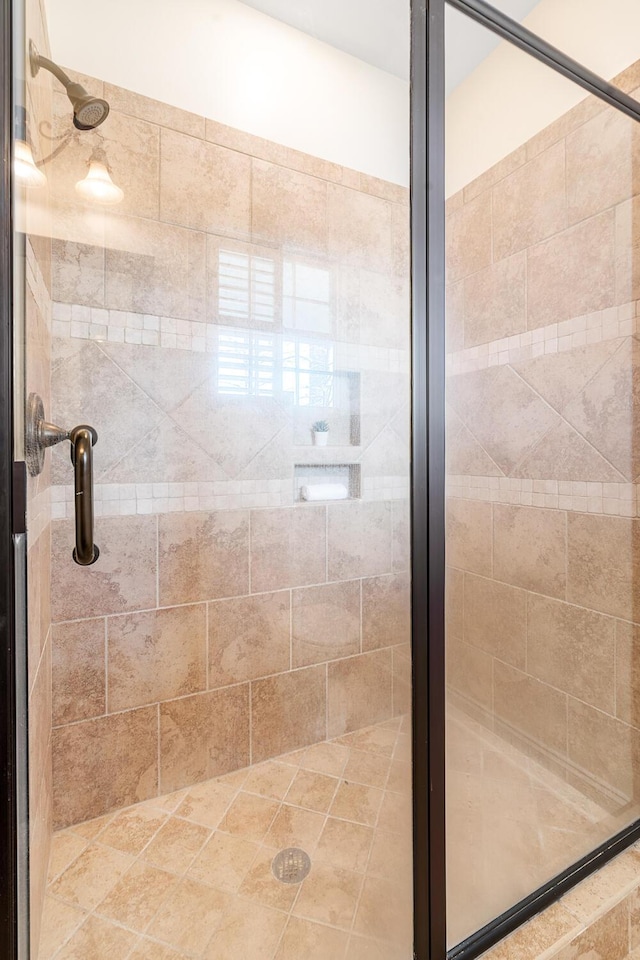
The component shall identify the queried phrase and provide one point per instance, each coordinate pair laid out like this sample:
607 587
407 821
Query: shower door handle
82 440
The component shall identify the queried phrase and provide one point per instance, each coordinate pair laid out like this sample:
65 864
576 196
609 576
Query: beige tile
391 857
91 876
190 916
132 829
529 548
395 813
204 186
288 712
384 912
572 273
155 268
454 599
329 895
270 779
175 846
362 948
156 655
521 217
470 673
572 649
601 156
359 228
152 950
386 611
606 939
495 619
314 791
249 816
626 251
224 861
261 885
326 622
495 301
601 558
345 845
328 758
357 802
59 921
249 637
534 938
604 888
402 669
288 547
603 747
628 673
206 803
379 739
369 768
359 691
534 708
203 556
314 941
123 578
563 454
203 736
255 928
294 827
288 207
99 940
155 111
468 232
65 847
359 539
455 316
89 775
78 670
559 377
509 418
469 536
78 273
605 412
134 900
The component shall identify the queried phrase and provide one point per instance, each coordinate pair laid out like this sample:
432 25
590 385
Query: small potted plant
320 433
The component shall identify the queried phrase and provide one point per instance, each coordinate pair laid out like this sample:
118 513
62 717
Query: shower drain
291 865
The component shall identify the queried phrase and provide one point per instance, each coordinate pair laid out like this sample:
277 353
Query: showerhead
88 111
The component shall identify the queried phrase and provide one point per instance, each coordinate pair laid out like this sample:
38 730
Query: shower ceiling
377 31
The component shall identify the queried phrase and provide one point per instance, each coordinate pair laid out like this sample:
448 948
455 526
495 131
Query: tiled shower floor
188 875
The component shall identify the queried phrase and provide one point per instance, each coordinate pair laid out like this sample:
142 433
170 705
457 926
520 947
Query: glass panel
219 284
542 467
576 28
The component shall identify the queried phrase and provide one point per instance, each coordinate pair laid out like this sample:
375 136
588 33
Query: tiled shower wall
33 362
240 292
543 366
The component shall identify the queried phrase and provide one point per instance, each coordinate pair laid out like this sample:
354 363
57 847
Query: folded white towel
324 491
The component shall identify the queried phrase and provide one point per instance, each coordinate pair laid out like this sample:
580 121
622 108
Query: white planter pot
320 439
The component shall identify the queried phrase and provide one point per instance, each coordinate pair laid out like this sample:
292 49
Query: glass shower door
542 471
217 318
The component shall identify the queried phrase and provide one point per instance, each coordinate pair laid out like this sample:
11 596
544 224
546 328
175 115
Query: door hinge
19 497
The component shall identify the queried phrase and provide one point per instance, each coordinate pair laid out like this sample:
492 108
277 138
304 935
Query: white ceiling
377 31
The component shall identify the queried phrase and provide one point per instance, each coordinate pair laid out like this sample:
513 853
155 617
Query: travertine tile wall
224 622
34 363
543 368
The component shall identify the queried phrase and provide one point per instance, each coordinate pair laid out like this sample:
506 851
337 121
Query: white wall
229 62
510 96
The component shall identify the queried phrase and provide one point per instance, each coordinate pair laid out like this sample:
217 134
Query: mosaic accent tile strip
612 499
609 324
126 499
74 321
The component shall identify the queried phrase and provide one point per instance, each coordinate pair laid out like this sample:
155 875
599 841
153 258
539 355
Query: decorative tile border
609 324
127 499
612 499
73 321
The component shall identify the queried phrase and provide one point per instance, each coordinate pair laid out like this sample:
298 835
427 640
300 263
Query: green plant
320 426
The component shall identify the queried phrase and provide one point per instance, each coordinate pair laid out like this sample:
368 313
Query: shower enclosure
319 485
